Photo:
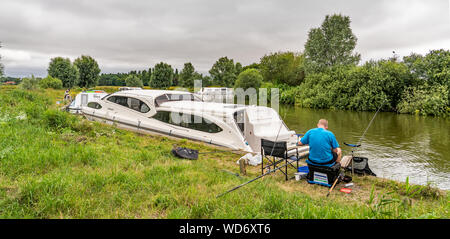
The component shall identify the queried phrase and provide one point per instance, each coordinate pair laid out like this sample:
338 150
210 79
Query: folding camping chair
277 150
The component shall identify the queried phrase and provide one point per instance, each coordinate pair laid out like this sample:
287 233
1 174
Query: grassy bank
55 165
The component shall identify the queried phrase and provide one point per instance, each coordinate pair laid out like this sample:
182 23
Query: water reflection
397 145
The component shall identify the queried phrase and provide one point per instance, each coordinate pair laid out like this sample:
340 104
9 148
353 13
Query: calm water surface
397 145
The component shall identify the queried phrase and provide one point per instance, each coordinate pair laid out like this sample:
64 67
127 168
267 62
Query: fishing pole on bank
262 175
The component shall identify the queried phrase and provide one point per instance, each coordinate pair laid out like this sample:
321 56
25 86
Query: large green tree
332 44
64 70
250 78
283 68
187 75
133 81
223 72
89 71
162 76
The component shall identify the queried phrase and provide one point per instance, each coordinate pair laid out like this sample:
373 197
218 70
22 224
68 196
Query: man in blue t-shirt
323 147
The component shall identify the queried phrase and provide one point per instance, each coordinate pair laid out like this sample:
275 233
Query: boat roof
151 93
201 106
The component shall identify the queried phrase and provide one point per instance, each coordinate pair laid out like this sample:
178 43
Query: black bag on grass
185 153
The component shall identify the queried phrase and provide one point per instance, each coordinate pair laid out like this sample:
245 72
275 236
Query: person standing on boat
323 147
67 95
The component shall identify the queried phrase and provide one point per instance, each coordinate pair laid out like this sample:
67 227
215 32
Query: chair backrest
275 149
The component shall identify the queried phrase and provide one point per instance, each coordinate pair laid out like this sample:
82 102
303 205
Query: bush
50 82
29 83
250 78
364 87
134 81
425 101
288 96
57 120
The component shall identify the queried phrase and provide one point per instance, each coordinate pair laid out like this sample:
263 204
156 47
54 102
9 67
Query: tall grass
56 165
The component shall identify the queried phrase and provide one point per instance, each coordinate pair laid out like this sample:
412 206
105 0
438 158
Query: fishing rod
370 123
367 128
362 136
268 172
260 176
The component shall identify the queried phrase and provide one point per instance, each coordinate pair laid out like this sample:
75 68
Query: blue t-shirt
321 142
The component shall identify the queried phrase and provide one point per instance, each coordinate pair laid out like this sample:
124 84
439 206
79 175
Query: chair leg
286 170
262 161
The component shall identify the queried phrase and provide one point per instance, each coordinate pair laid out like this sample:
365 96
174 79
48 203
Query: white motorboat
83 98
184 115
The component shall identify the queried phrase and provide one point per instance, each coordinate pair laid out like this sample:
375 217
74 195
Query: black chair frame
279 153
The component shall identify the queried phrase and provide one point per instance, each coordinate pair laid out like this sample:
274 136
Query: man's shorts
335 156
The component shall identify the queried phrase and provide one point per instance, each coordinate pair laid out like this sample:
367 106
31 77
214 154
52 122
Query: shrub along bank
416 85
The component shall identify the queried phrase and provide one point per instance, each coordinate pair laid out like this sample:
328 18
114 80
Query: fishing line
370 123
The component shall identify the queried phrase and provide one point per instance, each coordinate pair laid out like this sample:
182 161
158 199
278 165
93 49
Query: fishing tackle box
324 176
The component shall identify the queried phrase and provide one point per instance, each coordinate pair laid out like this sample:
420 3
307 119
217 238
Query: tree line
327 74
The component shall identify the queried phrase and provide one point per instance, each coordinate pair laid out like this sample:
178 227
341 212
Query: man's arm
304 140
336 148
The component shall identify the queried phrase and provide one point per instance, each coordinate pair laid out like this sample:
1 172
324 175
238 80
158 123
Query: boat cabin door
252 139
84 99
246 128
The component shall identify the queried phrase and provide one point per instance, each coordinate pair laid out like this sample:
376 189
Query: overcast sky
134 35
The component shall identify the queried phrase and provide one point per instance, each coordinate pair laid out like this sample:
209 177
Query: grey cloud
126 35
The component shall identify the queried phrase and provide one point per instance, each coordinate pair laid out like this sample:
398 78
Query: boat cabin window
188 121
94 105
239 119
130 102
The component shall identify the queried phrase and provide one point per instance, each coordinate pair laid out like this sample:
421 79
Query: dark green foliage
186 77
145 76
250 78
110 80
133 81
251 66
162 76
56 119
223 72
63 69
238 68
431 70
330 45
176 78
426 100
88 71
356 88
50 82
283 68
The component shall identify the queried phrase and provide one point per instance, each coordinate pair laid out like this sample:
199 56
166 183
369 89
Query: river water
397 145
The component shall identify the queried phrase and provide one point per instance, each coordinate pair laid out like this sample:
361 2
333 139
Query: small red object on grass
346 190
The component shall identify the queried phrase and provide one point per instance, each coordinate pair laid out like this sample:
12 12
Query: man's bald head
323 123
